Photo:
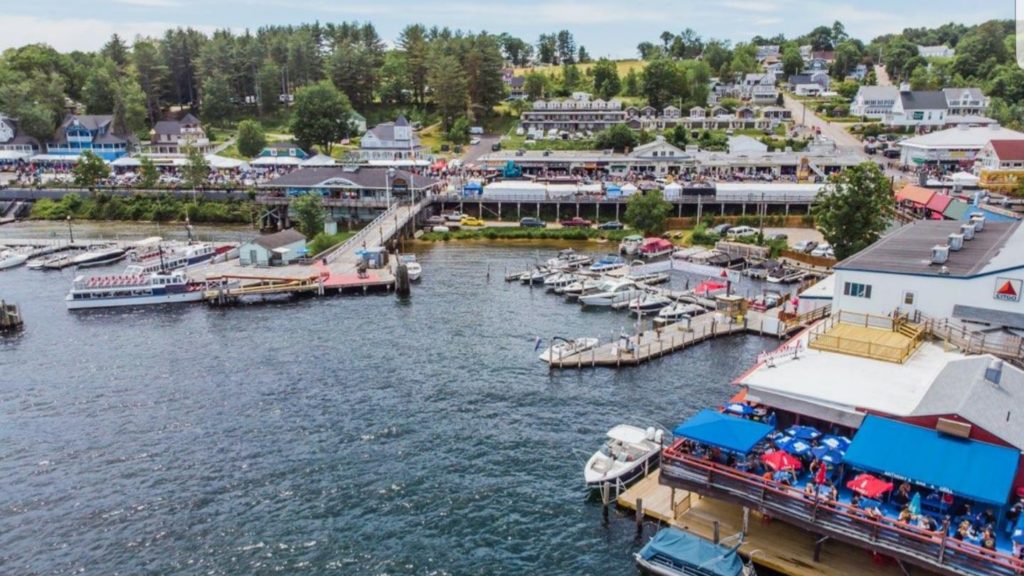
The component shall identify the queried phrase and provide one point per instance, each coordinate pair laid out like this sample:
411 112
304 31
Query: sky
610 28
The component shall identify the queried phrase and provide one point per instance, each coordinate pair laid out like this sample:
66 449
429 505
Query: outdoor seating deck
866 336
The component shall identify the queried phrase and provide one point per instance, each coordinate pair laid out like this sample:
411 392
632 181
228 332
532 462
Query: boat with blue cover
673 552
608 263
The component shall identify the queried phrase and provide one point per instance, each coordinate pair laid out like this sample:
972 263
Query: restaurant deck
867 336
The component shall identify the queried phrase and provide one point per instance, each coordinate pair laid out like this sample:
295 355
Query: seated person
809 491
987 518
902 495
964 531
906 517
874 513
988 540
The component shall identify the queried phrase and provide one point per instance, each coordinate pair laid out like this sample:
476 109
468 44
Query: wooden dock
771 544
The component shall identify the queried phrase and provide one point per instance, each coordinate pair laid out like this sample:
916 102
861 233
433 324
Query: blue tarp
683 549
967 468
725 432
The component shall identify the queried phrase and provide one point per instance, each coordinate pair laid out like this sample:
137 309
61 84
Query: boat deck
774 545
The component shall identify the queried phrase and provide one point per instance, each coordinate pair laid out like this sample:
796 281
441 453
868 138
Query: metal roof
923 100
279 239
344 177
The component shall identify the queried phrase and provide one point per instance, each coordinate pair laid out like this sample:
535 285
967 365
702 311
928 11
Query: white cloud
151 3
67 34
752 6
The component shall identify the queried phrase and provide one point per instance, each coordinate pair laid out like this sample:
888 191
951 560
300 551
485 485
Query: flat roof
969 138
825 289
908 250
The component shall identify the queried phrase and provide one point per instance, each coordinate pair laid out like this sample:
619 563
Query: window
857 290
908 298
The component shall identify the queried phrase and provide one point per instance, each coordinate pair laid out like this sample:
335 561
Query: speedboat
630 245
566 348
133 290
674 552
608 263
656 248
629 453
709 288
678 311
580 287
568 259
765 301
560 280
786 275
535 276
12 258
411 266
42 261
610 292
644 303
99 257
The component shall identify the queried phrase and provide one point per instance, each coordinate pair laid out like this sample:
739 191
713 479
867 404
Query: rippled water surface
355 435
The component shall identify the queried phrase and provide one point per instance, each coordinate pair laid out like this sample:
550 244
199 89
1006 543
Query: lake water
353 435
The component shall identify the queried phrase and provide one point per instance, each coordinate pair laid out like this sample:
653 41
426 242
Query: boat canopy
694 552
722 431
627 434
967 468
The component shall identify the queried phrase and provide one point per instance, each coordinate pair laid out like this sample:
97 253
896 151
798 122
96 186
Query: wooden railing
821 337
807 318
931 550
974 342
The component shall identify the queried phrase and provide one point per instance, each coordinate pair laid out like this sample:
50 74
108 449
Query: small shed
277 249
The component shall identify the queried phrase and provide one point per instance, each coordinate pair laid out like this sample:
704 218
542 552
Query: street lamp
71 235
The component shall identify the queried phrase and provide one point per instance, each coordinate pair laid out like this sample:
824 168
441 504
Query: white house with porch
390 141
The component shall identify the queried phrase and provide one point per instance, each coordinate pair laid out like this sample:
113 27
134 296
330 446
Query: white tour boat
133 290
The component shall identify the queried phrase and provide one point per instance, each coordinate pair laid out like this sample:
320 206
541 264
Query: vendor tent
126 162
277 161
628 190
318 161
964 179
673 190
224 163
722 431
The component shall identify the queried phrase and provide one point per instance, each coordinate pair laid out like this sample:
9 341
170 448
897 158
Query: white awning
319 160
54 158
281 250
224 163
276 161
126 162
13 154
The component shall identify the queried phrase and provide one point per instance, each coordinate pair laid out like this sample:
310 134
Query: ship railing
932 550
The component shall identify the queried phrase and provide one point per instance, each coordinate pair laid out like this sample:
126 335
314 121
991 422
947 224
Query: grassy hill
624 67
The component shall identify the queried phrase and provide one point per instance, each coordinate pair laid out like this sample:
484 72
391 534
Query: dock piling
715 534
605 498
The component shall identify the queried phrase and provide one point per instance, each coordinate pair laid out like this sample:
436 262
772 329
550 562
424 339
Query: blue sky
605 27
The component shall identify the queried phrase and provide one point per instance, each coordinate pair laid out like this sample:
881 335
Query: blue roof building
95 133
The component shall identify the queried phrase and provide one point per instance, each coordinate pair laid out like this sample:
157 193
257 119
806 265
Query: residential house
822 79
767 51
759 88
776 68
172 137
574 115
807 90
859 73
390 141
874 101
15 145
745 113
777 113
923 108
95 133
941 51
671 113
277 249
698 113
517 88
966 101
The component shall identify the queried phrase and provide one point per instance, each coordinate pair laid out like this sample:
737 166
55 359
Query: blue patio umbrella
1018 531
803 432
739 408
827 455
841 443
793 445
915 504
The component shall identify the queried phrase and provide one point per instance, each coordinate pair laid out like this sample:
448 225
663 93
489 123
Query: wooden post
746 520
639 516
604 501
817 548
945 534
672 502
715 536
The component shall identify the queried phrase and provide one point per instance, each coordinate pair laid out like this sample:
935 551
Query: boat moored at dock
629 453
630 245
133 290
673 552
610 292
608 263
98 257
656 248
563 348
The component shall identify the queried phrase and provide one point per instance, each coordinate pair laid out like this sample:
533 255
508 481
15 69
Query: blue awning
692 552
725 432
967 468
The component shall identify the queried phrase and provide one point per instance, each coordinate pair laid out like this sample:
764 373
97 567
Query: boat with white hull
172 259
566 348
678 311
569 259
561 280
608 263
611 292
99 257
13 258
644 303
133 290
629 453
412 267
580 287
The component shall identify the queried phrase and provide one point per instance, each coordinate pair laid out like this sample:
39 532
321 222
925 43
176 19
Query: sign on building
1008 289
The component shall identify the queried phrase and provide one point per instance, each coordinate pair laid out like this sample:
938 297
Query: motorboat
610 292
628 454
560 280
656 248
569 259
678 311
644 303
42 261
786 275
630 245
171 259
411 266
765 301
99 257
580 287
674 552
535 276
709 288
566 348
608 263
650 278
133 290
13 258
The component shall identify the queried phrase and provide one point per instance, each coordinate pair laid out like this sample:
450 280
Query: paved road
882 75
835 131
472 154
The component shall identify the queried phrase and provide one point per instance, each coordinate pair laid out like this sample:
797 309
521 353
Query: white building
15 145
759 88
941 51
389 141
954 145
940 269
746 145
807 89
874 101
919 109
966 101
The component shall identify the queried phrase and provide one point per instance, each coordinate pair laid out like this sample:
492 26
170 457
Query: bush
324 241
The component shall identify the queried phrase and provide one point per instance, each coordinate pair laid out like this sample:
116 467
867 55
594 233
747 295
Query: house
720 111
940 51
954 146
826 56
517 88
277 249
15 145
96 133
767 51
390 141
822 79
745 113
759 88
1002 165
575 115
923 108
807 90
745 145
874 101
941 269
172 137
775 68
966 101
698 113
671 113
777 113
859 73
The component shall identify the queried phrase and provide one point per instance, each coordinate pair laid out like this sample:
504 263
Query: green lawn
624 67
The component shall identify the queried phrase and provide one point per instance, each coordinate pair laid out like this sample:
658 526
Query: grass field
624 67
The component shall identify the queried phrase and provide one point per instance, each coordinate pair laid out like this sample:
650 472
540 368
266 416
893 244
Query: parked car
742 232
610 225
474 141
721 229
436 221
776 236
532 223
576 222
822 250
453 216
805 246
470 221
496 146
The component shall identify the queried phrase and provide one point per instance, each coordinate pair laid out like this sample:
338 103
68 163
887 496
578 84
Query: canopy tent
964 179
722 431
55 159
318 161
613 191
126 162
698 554
224 163
967 468
803 432
472 188
13 155
793 445
277 161
939 202
628 190
672 190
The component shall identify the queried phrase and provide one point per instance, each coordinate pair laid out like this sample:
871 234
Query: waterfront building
277 249
954 146
95 133
390 141
918 109
1001 164
874 101
14 144
172 137
966 101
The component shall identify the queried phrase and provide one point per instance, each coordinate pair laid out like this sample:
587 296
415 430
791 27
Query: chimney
994 372
967 231
940 254
956 242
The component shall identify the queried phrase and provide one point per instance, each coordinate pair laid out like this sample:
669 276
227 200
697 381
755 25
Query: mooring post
604 501
639 516
715 537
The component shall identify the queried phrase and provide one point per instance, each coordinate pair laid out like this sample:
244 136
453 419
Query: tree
648 212
848 89
321 116
619 138
115 49
631 83
216 99
848 55
547 49
678 136
251 139
129 106
648 50
148 174
536 85
448 82
459 132
854 208
416 52
152 75
980 51
196 169
90 170
308 214
663 82
792 61
566 46
582 56
571 79
606 79
717 54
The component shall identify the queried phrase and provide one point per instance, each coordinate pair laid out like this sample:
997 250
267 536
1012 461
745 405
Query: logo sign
1008 289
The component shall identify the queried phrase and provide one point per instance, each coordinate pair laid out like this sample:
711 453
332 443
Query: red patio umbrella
780 460
868 486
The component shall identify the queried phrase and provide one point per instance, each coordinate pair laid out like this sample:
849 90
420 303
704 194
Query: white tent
628 190
224 163
276 161
673 190
55 158
964 179
126 162
318 161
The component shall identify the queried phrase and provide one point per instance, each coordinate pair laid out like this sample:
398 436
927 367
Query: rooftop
923 100
279 239
963 137
908 250
347 177
1009 149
